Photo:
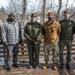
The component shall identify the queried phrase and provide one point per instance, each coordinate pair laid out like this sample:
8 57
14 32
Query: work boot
54 67
36 67
31 67
45 65
61 65
15 65
68 66
8 68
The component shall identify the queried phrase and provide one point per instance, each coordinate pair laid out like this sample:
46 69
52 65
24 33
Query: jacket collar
11 22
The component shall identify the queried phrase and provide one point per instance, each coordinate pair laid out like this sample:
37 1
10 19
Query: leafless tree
59 9
44 9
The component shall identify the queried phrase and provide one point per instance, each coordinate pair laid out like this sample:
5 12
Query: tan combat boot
54 67
45 65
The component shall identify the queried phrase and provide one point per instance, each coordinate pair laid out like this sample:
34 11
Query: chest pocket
54 28
69 26
36 29
47 29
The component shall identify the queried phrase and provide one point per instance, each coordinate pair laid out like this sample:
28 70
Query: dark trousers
33 51
68 44
12 49
15 54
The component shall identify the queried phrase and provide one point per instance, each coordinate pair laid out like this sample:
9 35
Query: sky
4 3
70 2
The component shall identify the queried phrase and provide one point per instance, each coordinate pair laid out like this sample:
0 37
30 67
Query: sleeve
25 32
20 33
43 30
73 29
0 32
39 33
0 35
59 29
4 32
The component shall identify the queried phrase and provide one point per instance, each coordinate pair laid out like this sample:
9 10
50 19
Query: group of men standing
57 35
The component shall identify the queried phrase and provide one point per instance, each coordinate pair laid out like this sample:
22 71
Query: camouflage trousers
55 50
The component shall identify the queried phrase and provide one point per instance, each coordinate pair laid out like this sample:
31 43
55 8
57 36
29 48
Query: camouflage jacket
51 31
33 30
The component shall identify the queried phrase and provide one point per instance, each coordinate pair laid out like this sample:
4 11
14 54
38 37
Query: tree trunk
44 9
24 12
66 4
58 12
24 8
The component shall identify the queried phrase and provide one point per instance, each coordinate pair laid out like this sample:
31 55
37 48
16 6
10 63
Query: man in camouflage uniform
32 33
51 31
66 37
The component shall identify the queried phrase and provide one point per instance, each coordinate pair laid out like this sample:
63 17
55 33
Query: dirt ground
24 70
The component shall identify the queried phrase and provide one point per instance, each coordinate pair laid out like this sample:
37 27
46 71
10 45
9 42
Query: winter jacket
51 31
33 30
67 29
11 33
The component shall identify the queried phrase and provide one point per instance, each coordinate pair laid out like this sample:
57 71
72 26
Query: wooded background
23 9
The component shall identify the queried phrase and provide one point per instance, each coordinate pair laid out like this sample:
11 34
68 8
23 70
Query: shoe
68 66
61 65
36 67
45 66
31 67
15 65
8 68
54 67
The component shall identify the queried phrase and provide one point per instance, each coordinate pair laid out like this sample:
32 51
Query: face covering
33 20
67 16
10 19
50 18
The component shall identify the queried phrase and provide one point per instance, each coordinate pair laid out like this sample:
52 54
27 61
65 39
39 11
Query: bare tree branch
14 6
58 12
66 4
72 14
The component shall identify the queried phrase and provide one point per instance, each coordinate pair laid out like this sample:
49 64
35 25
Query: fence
23 50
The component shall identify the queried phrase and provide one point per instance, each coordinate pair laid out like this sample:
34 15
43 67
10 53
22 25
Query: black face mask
10 19
50 18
